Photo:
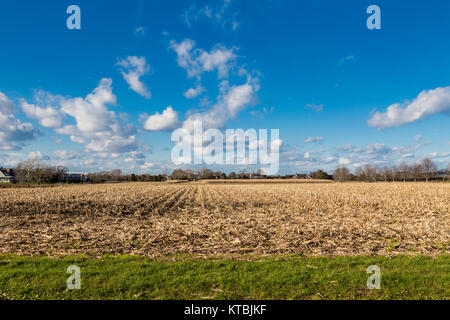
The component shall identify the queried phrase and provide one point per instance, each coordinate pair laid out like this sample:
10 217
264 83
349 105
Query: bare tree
341 174
243 174
116 173
190 174
384 173
60 173
178 174
232 175
416 171
34 171
24 171
403 169
205 173
370 173
394 173
429 168
360 174
42 173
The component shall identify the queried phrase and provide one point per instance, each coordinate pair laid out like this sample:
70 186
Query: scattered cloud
6 105
428 102
263 112
194 92
377 153
328 160
136 158
314 107
91 113
231 100
167 120
310 155
132 69
346 147
441 158
198 61
344 161
13 132
64 155
346 59
38 155
57 140
377 149
147 165
140 31
218 13
44 109
96 126
439 155
314 140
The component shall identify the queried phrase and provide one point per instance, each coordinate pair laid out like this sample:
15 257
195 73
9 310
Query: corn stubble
221 219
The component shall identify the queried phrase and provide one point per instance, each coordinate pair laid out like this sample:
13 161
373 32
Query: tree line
116 175
423 170
34 171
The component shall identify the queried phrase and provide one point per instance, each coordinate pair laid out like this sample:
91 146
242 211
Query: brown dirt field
259 181
222 219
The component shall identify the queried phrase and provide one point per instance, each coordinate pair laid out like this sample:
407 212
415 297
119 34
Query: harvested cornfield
259 181
158 219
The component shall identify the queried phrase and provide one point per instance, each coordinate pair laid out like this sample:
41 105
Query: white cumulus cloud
91 113
48 117
96 126
194 92
428 102
13 132
38 155
231 100
132 69
166 120
198 61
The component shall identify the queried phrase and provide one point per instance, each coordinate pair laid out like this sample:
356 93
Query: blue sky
88 98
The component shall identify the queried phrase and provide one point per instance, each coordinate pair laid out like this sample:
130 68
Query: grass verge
288 277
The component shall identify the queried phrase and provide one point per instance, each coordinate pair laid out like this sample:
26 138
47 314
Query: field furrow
157 219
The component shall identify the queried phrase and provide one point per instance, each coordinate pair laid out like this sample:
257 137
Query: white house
4 178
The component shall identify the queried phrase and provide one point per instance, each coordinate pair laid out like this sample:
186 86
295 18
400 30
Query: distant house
75 177
301 176
442 175
6 176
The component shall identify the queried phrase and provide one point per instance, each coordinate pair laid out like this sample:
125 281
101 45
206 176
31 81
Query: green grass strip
289 277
